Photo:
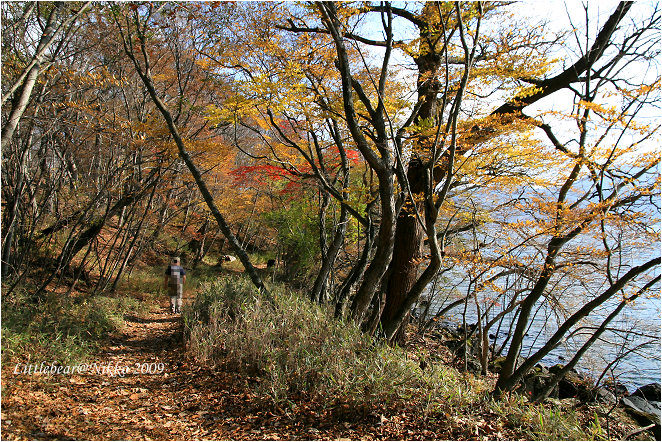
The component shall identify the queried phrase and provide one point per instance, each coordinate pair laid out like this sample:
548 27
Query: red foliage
264 174
246 174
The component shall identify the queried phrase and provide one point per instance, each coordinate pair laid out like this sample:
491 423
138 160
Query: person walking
175 277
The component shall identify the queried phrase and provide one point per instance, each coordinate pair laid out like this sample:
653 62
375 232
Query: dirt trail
184 401
165 395
175 400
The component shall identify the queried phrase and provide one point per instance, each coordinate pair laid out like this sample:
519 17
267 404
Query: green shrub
298 237
299 349
60 329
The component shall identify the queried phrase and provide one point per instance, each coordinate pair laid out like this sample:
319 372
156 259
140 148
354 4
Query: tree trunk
383 253
408 236
508 379
317 294
357 271
20 101
146 78
28 79
409 233
403 269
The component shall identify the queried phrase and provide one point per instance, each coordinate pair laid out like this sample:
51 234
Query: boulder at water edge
649 392
644 411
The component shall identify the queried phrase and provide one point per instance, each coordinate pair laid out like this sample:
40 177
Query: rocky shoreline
643 405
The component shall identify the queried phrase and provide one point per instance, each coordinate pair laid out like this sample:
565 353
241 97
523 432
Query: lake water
640 323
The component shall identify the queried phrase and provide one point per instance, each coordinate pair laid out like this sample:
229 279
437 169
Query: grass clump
546 421
300 350
59 329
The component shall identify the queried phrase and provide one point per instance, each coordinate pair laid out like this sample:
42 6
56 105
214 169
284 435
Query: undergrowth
57 328
299 351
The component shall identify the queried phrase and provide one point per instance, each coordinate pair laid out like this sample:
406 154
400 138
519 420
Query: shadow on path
139 320
161 394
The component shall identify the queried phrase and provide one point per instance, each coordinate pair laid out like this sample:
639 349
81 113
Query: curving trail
182 402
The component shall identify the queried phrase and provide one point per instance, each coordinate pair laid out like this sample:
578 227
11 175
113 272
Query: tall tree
136 24
59 23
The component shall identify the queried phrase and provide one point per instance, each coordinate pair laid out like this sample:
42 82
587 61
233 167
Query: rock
558 367
447 329
617 389
574 377
473 365
650 392
534 383
646 412
470 328
574 385
456 346
567 388
555 368
604 396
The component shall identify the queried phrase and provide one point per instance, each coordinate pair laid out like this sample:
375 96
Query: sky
559 16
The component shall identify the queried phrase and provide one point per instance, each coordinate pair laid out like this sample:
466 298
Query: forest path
182 401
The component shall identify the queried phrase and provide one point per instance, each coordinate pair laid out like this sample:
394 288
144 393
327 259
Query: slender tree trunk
200 249
508 382
20 101
93 230
9 236
383 251
146 78
356 273
319 286
330 258
28 79
556 378
402 274
133 240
